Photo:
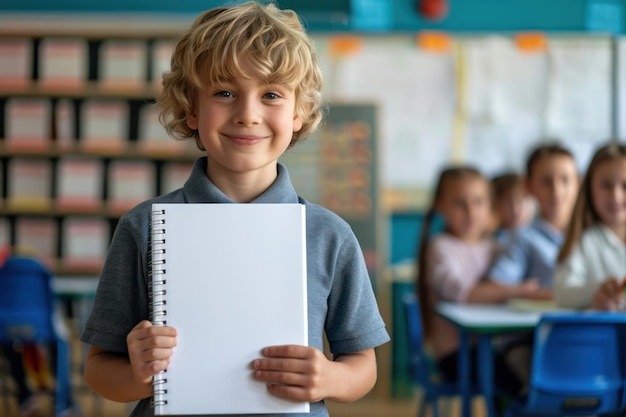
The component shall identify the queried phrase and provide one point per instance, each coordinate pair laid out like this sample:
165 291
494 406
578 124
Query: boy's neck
242 187
557 223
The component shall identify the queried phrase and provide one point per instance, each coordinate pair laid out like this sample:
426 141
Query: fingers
146 328
150 349
291 371
287 358
295 366
611 286
296 393
288 351
296 379
296 386
608 296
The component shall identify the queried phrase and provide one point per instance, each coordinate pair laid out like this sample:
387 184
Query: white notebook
231 278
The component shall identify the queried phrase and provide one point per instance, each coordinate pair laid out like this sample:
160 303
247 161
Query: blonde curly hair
273 41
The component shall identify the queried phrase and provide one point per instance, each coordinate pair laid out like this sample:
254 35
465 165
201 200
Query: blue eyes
228 94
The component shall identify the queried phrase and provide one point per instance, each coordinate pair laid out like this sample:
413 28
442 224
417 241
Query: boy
530 256
552 179
511 205
244 84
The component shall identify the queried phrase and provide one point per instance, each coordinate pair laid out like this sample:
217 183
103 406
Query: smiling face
465 205
608 193
554 184
245 125
246 41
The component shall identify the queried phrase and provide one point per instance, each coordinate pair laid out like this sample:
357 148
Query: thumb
144 324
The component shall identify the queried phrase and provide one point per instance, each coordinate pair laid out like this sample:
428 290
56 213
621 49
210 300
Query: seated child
591 268
552 180
452 266
530 256
511 205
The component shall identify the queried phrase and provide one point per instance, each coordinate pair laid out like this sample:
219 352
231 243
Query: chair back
577 363
27 315
26 301
422 365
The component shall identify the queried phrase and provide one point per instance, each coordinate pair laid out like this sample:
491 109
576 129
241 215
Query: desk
485 321
80 290
75 286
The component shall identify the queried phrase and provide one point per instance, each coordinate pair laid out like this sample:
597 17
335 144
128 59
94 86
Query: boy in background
511 206
552 180
530 256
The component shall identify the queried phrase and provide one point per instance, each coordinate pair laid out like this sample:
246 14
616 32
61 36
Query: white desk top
75 286
488 317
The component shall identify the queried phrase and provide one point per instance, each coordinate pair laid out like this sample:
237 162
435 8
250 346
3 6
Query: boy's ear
192 122
297 123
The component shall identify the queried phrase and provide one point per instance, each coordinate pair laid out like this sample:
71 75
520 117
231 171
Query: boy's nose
247 113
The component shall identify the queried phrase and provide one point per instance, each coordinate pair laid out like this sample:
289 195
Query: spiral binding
157 251
159 390
157 290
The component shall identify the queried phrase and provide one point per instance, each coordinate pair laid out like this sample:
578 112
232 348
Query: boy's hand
150 349
609 296
299 373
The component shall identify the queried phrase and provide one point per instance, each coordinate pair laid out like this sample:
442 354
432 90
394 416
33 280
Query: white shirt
598 256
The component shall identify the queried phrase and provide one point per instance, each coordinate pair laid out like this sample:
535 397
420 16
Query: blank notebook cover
231 278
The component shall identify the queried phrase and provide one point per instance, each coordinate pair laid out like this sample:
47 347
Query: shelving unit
95 31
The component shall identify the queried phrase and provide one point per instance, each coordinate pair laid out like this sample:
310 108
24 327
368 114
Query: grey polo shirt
341 301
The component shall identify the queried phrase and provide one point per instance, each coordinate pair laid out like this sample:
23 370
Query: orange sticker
531 41
345 45
434 41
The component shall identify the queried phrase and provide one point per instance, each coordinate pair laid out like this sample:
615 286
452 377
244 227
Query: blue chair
27 316
577 366
422 367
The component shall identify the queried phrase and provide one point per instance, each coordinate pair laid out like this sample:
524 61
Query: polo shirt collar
199 189
548 230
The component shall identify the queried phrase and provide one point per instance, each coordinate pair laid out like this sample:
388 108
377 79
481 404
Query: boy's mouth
245 140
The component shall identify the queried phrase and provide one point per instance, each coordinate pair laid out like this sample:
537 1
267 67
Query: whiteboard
483 102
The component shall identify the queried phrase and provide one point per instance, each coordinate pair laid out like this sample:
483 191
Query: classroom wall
385 16
464 15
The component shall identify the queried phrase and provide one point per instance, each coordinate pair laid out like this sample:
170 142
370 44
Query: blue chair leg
63 383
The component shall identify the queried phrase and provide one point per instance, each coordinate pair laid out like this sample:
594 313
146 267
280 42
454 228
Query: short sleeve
447 276
121 300
353 321
510 265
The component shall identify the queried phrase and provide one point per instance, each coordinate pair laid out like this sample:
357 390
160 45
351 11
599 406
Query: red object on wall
433 9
